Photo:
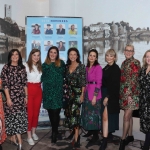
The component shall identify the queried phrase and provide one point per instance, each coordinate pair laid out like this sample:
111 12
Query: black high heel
122 145
129 139
77 143
104 144
88 134
69 138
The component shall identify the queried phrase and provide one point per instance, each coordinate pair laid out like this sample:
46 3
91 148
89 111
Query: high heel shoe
20 147
122 145
69 138
129 139
88 134
104 144
77 143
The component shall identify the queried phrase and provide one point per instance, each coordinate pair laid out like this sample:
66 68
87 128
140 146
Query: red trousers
34 104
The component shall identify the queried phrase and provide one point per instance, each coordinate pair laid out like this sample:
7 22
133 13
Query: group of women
101 92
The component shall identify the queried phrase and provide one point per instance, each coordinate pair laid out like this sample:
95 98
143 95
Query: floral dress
73 85
144 103
14 78
2 121
129 85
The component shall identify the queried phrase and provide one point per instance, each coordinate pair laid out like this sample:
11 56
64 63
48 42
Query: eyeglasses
130 51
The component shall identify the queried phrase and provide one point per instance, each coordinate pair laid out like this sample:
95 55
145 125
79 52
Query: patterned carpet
44 142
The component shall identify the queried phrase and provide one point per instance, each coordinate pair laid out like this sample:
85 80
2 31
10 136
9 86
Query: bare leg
126 122
33 130
76 133
105 123
130 127
29 134
19 139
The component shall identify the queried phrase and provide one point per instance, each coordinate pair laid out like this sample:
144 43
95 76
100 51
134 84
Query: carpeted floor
44 142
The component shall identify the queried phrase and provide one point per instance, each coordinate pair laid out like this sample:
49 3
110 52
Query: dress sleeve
4 77
82 76
24 77
98 80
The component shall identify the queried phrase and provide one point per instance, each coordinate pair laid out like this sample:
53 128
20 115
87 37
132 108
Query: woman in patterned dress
2 121
75 83
91 108
14 80
52 77
129 93
144 103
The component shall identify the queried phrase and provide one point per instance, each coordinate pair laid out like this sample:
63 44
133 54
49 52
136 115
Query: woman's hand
9 103
94 100
105 102
81 98
25 101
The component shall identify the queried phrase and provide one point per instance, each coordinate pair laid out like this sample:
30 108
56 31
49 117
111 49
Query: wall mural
116 35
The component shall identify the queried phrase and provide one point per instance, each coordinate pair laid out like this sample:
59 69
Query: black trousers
54 118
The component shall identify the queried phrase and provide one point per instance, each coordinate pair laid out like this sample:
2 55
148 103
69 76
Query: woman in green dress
53 73
75 83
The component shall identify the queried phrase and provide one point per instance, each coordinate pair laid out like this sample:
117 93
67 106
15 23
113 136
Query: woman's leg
127 122
147 141
105 123
76 133
130 127
19 139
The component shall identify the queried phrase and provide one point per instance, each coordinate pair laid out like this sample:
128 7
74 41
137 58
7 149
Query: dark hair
19 60
96 61
30 63
48 61
78 54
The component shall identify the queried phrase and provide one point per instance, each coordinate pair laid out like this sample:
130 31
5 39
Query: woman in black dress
14 80
110 96
144 103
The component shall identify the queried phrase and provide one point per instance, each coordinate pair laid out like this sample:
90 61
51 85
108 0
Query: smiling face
72 27
110 59
35 57
147 58
15 57
92 57
73 56
53 55
129 52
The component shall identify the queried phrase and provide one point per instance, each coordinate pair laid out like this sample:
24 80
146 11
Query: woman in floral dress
144 104
2 121
91 108
75 83
14 80
129 93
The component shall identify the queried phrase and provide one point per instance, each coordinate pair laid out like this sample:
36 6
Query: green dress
52 78
74 82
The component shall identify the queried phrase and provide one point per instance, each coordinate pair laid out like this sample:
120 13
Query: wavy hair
78 54
30 62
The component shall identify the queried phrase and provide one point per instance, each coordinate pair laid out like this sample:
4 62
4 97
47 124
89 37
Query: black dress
144 103
110 89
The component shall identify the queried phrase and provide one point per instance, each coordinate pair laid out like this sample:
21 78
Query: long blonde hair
144 60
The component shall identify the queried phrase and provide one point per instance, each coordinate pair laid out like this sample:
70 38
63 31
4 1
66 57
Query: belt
92 82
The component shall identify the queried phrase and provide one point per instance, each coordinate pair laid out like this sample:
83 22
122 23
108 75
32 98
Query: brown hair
144 61
30 63
57 61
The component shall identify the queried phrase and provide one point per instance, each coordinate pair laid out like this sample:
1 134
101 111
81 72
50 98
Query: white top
34 76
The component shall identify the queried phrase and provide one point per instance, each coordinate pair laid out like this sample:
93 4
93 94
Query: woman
91 108
129 93
61 46
144 104
36 29
2 121
110 93
52 77
34 72
72 30
75 83
14 79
